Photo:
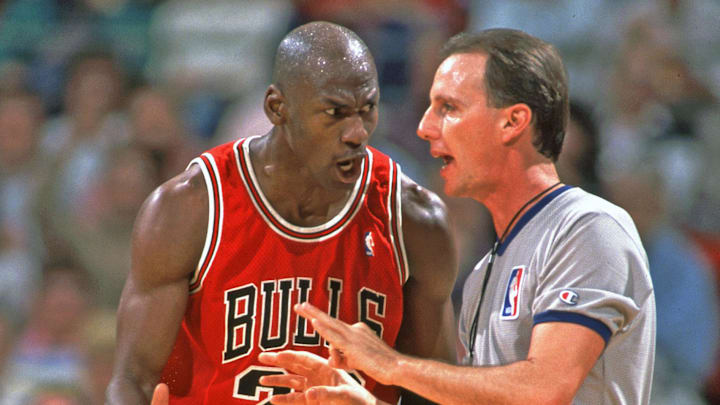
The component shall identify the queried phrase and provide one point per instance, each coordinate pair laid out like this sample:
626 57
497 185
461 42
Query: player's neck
510 196
289 187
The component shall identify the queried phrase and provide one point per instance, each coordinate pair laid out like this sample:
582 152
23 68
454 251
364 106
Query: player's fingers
298 362
269 358
293 398
316 316
293 381
331 395
161 395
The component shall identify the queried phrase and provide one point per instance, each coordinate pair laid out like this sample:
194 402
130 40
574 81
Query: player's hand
313 380
161 395
353 346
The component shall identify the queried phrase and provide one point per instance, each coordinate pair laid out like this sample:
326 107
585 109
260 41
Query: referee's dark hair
522 69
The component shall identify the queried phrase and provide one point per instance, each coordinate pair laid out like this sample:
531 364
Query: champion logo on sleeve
511 302
569 297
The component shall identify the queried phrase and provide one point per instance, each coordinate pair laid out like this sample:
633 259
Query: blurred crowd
103 100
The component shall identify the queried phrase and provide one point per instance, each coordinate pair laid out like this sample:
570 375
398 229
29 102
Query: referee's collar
528 215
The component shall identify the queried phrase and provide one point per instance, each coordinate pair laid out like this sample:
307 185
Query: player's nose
355 134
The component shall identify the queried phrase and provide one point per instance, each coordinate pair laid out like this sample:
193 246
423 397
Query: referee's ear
516 119
275 105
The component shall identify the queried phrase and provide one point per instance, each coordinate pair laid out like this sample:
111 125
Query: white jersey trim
395 221
208 250
359 187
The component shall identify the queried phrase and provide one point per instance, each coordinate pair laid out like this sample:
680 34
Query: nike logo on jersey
511 300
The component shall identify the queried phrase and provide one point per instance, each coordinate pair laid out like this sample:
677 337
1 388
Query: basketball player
561 310
306 213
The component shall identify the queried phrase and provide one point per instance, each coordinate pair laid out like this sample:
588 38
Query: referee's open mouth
447 159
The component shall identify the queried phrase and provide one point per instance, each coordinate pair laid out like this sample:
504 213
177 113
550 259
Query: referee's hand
161 396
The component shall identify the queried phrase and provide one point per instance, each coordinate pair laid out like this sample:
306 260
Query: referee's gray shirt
572 257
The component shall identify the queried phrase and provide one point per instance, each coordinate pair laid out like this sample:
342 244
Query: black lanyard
474 326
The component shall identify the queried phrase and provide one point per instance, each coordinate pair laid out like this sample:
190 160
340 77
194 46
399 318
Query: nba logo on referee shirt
511 300
369 244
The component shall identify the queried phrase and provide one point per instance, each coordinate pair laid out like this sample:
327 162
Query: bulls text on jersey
269 306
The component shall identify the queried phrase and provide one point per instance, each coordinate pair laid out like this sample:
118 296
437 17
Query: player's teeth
346 166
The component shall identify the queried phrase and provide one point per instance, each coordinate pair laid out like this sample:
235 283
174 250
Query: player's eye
332 111
445 108
367 108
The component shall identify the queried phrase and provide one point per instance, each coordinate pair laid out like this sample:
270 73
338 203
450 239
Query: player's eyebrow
336 102
341 100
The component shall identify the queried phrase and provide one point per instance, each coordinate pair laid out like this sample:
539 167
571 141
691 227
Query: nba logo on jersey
511 302
369 244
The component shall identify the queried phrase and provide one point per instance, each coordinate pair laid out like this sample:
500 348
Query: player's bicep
428 324
167 243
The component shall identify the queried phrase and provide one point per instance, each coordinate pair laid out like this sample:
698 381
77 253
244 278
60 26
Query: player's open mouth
349 169
447 159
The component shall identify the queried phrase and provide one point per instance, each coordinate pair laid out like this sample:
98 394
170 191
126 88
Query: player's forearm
522 382
125 391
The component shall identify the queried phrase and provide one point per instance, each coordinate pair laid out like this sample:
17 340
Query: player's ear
274 105
516 119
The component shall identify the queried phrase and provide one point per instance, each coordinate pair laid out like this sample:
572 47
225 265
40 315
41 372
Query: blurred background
103 100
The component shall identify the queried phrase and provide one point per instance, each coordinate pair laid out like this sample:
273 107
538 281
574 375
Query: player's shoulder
422 206
170 228
185 188
178 207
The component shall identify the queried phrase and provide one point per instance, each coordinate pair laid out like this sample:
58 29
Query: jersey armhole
207 165
395 221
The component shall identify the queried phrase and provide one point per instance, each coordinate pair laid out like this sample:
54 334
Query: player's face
461 128
331 124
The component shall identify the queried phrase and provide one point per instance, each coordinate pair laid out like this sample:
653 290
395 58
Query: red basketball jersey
255 266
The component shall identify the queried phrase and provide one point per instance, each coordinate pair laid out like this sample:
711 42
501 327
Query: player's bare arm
168 238
561 355
428 328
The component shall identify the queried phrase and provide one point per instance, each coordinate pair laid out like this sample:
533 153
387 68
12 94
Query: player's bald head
320 51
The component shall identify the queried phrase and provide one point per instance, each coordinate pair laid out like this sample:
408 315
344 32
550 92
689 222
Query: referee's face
462 128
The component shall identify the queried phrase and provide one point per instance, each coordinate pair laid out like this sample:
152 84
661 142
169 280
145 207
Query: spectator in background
583 37
157 128
654 102
688 308
21 171
576 164
50 349
56 394
100 239
213 53
8 331
77 142
99 336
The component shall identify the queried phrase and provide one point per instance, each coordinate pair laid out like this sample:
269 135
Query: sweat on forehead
319 49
